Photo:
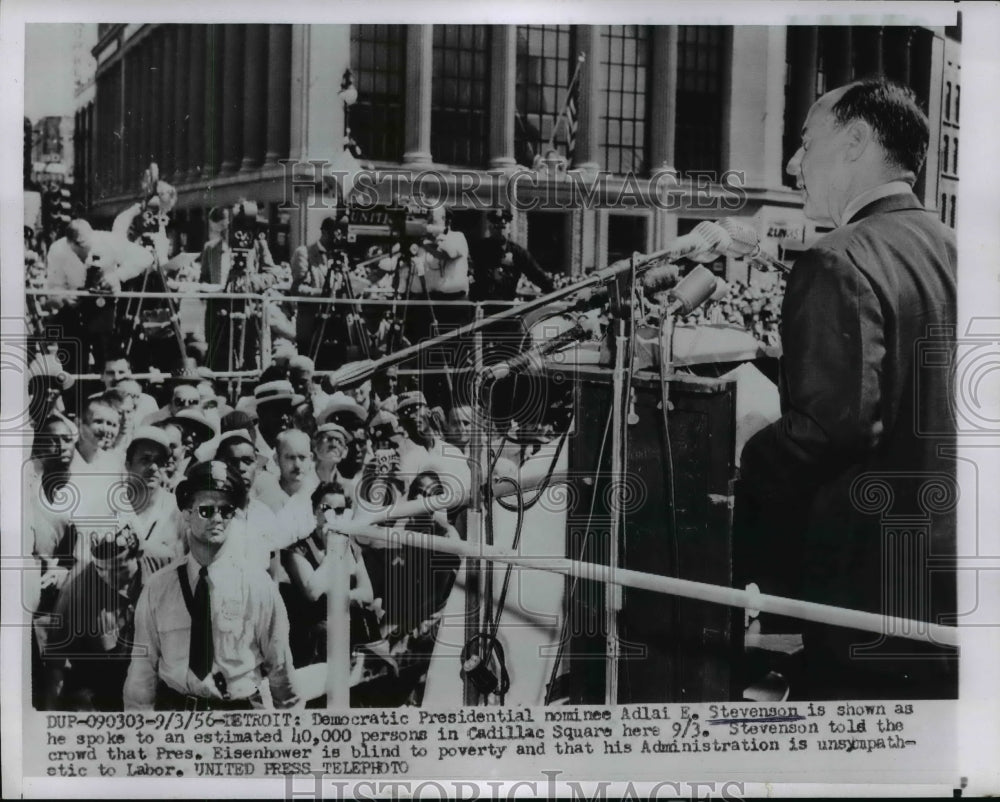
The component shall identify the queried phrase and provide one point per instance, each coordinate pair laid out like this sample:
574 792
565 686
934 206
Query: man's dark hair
133 446
116 354
324 489
900 127
225 450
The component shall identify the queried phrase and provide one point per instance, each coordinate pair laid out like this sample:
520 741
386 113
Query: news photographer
235 260
316 271
96 261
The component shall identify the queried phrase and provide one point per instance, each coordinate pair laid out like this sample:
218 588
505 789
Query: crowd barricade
263 305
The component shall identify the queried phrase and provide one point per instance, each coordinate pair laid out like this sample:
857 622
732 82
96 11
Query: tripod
358 336
240 314
154 323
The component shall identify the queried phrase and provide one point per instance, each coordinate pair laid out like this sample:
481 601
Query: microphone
521 361
745 240
657 279
721 290
705 237
694 289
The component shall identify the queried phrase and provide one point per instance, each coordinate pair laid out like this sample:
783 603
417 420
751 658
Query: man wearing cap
330 445
196 431
184 396
311 268
499 263
237 450
208 630
350 415
88 649
423 450
156 520
275 402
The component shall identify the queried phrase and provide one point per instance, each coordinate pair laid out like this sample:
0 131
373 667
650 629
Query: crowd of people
252 491
241 491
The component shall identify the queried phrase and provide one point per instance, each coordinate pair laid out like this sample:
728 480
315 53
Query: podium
669 649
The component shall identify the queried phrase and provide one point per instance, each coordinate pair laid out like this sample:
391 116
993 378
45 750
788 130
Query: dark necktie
202 652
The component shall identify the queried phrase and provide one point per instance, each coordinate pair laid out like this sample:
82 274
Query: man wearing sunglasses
209 630
184 396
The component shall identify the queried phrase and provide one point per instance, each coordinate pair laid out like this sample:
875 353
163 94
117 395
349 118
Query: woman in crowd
310 573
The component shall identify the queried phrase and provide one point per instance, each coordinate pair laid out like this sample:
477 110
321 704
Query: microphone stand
479 465
622 307
613 596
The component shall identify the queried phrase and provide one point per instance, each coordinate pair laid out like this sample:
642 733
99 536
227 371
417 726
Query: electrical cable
564 630
527 505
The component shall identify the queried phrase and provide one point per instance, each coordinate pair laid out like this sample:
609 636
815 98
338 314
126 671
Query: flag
571 122
569 111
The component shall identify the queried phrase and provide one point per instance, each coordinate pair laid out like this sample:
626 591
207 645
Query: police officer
208 630
499 263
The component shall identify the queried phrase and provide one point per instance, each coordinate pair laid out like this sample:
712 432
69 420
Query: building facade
951 107
669 125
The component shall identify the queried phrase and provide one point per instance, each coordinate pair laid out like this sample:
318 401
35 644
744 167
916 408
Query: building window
947 101
954 203
460 96
944 208
623 121
378 59
626 235
954 158
946 152
545 66
958 99
548 240
698 137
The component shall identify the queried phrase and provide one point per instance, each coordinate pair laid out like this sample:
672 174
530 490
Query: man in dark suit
850 494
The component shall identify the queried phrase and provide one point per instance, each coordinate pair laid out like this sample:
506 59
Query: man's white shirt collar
872 195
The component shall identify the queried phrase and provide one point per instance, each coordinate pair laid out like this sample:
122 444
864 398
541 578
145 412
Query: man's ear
859 136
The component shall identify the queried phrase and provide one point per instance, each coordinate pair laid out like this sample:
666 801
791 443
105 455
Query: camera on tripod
243 234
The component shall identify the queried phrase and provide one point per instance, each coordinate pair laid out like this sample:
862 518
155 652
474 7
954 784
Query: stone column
232 98
503 78
417 106
663 98
279 86
197 47
255 69
587 156
181 102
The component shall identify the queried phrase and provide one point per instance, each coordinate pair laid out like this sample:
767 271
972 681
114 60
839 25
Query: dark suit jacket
861 451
